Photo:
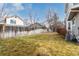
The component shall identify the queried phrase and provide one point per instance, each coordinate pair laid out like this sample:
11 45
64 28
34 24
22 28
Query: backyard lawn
48 44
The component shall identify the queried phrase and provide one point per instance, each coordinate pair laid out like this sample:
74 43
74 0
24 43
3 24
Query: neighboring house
72 17
36 26
11 25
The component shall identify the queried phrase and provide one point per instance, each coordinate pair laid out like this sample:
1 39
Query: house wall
69 26
13 26
76 25
67 10
17 20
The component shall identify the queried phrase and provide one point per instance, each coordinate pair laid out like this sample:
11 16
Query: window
78 30
13 21
73 21
69 26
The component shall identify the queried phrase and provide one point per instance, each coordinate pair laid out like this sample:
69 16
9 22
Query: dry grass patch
45 44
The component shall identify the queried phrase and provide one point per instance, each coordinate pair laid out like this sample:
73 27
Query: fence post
3 30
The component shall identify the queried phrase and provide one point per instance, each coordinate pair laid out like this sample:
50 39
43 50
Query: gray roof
36 25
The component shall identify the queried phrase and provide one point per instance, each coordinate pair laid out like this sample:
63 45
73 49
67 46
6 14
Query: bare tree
1 10
33 16
5 11
55 21
52 19
30 15
48 18
2 18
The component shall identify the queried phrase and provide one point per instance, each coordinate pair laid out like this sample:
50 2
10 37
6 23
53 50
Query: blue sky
37 9
41 8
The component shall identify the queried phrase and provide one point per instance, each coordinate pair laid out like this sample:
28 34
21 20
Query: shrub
61 31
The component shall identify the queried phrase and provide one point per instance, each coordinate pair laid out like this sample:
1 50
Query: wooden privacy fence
21 33
12 34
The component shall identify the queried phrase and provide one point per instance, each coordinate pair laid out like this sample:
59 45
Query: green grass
42 44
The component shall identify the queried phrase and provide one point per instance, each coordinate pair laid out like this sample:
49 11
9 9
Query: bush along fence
62 31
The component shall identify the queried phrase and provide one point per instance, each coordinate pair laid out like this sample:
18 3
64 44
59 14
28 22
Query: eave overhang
73 12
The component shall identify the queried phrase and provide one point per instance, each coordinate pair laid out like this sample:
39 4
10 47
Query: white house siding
76 25
67 25
18 21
